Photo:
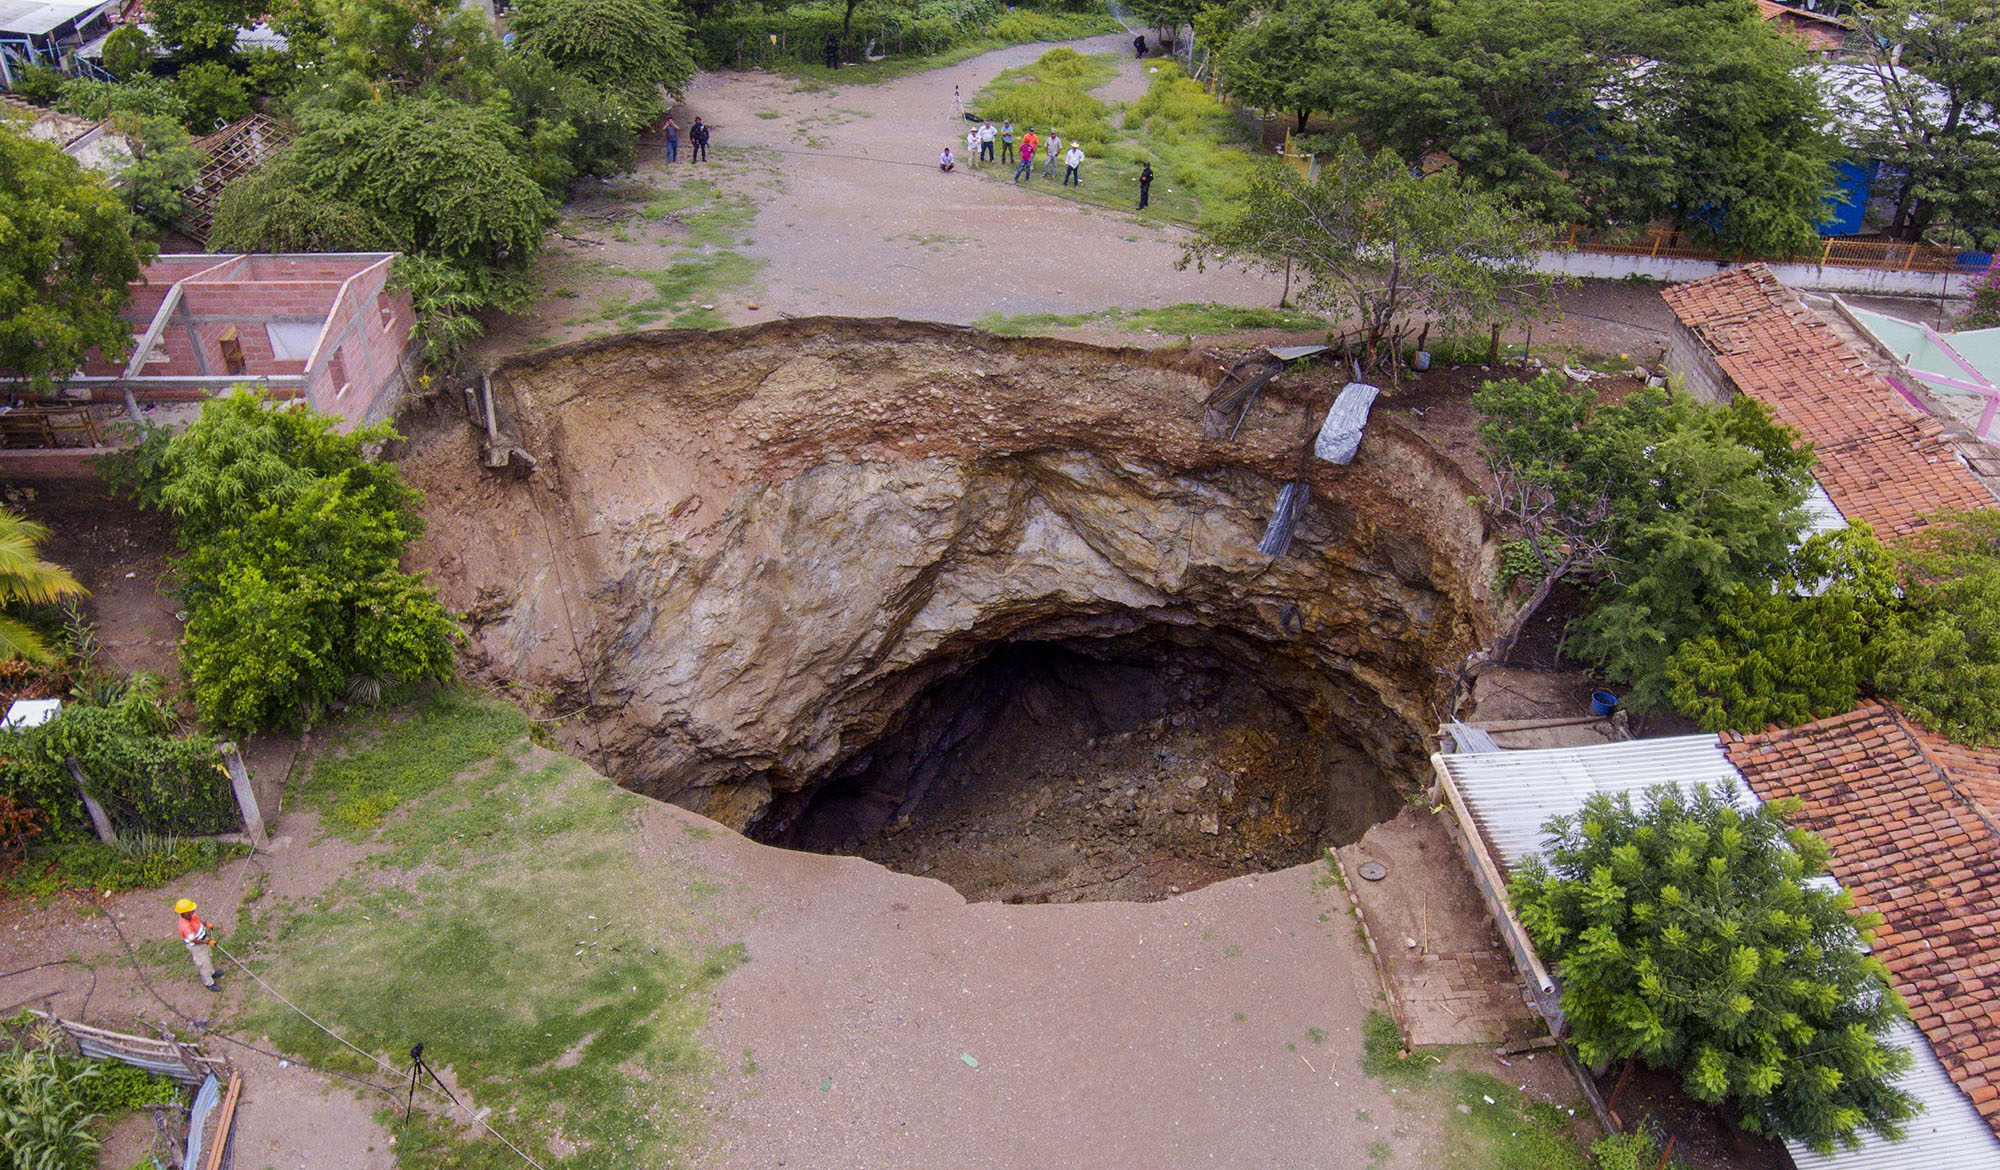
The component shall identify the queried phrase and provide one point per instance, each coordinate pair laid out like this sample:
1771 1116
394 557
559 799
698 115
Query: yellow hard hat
184 906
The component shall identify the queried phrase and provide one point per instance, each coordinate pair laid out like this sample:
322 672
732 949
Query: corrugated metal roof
1948 1135
1513 793
36 17
1509 795
1821 513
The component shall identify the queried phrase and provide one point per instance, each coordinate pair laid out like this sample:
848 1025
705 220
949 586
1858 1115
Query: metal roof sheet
1509 795
1513 793
1948 1135
36 17
1822 515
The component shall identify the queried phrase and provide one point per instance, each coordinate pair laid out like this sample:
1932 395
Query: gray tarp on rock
1340 436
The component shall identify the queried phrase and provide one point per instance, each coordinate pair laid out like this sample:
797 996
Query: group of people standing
697 141
981 140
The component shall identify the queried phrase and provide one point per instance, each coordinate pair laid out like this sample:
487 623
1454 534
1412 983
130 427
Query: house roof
1772 10
1877 461
36 17
1912 843
1503 797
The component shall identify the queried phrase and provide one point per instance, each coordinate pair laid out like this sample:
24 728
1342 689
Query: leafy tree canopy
1378 244
200 28
1923 103
611 43
67 257
128 51
1940 651
1800 650
1589 111
1678 504
1686 938
442 178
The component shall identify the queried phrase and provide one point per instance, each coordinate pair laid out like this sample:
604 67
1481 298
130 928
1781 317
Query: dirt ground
120 555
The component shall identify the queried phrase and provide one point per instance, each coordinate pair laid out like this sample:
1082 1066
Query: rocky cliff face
746 555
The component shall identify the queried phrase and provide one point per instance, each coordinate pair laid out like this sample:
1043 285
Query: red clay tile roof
1878 461
1911 845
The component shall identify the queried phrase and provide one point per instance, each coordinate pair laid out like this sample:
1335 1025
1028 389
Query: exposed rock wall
745 553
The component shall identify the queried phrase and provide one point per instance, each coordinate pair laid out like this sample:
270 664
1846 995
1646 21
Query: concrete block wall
1697 368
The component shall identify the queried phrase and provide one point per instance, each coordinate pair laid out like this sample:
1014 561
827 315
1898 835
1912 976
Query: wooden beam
224 1120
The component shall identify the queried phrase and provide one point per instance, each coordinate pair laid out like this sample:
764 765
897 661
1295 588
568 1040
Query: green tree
440 178
1795 652
161 162
200 29
27 579
1931 71
128 51
611 43
370 49
1379 245
1662 506
1274 62
1940 651
213 93
1538 101
1687 938
67 258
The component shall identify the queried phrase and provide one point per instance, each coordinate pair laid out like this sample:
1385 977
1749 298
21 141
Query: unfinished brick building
324 327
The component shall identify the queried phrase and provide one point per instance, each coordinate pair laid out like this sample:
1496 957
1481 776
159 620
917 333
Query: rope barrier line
380 1063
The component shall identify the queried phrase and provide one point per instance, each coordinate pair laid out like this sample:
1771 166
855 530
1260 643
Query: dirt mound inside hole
745 560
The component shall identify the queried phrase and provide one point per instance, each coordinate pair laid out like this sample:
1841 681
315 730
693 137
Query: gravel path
865 225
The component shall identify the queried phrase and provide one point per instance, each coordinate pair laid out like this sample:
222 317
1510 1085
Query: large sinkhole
1087 769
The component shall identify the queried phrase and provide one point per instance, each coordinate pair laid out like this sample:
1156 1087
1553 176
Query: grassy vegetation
1193 319
140 862
495 922
1053 93
1014 28
704 225
1200 154
1488 1123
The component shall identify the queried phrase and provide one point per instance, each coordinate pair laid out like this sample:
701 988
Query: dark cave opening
1086 769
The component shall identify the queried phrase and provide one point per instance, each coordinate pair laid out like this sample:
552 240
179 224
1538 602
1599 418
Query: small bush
143 863
38 84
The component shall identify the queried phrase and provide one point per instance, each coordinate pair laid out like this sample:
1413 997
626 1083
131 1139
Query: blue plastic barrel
1603 703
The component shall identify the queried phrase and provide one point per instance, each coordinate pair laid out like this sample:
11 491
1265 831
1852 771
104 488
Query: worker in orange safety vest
195 934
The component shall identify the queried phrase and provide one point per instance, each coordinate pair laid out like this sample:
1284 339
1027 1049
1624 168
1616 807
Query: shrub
1687 937
42 1114
144 775
291 544
37 83
1796 651
128 51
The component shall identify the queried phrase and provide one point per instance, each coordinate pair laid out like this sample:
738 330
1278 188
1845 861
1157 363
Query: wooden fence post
246 797
98 820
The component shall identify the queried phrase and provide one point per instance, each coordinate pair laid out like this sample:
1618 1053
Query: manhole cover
1373 871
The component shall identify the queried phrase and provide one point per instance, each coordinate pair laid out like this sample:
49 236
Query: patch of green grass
1200 155
413 753
1379 1154
1501 1128
1384 1055
1316 1035
1488 1123
498 928
693 278
1192 319
767 115
816 78
1053 93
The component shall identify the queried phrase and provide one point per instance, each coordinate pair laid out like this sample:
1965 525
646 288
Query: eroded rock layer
745 555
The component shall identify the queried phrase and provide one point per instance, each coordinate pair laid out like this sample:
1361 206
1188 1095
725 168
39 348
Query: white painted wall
1596 266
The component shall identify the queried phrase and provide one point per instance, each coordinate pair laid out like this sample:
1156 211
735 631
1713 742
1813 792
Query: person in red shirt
199 941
